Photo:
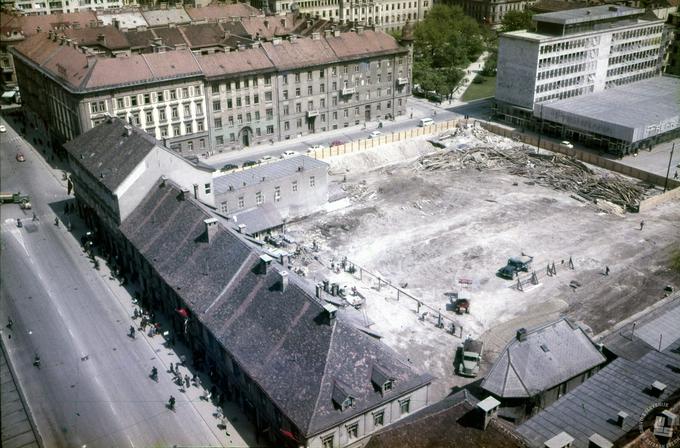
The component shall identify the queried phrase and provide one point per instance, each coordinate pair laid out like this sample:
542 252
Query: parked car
20 157
514 266
316 148
426 122
567 144
470 357
3 129
289 154
249 163
375 134
229 167
265 159
337 143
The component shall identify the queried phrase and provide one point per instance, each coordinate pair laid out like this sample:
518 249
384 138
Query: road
417 108
92 388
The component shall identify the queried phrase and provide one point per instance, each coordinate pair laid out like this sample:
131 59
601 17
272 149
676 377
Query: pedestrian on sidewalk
186 381
172 368
606 270
642 224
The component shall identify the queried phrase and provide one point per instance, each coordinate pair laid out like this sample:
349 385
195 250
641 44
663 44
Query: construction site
415 258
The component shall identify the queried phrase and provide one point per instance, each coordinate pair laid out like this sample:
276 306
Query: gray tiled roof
258 219
280 339
593 13
273 170
593 406
550 355
108 153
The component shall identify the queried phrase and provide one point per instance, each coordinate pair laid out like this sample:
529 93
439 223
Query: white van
426 122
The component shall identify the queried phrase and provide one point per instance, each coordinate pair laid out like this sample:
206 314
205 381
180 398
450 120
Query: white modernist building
575 53
42 7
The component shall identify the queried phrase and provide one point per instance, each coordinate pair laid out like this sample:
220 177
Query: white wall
517 66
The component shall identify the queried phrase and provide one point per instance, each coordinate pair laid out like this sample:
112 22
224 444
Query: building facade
63 6
389 15
576 52
199 104
491 12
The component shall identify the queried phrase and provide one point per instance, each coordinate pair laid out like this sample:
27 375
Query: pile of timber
555 170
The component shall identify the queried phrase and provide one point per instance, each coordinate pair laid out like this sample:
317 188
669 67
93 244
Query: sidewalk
470 74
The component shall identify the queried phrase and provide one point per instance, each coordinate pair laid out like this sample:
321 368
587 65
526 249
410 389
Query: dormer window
387 386
342 396
348 403
381 380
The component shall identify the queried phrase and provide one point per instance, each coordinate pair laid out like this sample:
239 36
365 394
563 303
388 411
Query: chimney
309 24
210 228
319 288
522 334
264 262
276 41
195 191
164 178
185 194
330 311
658 388
266 24
597 441
316 36
241 228
128 131
360 29
101 39
561 440
487 409
283 23
621 418
336 33
327 33
292 38
227 35
50 34
283 280
90 59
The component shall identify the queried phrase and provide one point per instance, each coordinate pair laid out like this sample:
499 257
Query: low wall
659 199
370 143
584 156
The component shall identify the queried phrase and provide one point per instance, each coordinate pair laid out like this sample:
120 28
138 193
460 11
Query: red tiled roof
251 60
114 39
30 24
302 52
268 27
215 12
349 45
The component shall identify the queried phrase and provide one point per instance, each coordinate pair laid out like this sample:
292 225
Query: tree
444 42
517 20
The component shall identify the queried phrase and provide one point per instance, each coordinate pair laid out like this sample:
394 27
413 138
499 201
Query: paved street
93 386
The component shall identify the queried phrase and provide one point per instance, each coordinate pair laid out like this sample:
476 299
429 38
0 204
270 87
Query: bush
479 79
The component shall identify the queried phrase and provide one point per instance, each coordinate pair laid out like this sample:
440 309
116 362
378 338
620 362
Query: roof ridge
147 64
323 376
519 377
187 41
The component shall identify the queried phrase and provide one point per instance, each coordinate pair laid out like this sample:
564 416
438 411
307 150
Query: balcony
312 113
348 91
402 81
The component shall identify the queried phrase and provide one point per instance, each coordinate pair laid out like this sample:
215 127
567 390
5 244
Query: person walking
606 270
642 224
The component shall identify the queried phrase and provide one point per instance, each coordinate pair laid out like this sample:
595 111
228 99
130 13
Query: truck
470 357
23 200
514 266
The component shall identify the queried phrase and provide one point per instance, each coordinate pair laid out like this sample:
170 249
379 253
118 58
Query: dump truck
23 200
470 357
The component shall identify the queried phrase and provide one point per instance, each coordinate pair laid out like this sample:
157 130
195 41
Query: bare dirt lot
426 230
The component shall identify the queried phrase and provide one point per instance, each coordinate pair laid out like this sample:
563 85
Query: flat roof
592 14
631 112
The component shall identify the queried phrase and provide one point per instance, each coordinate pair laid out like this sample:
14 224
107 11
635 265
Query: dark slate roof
593 406
450 423
109 153
550 355
272 170
171 36
280 339
258 219
139 39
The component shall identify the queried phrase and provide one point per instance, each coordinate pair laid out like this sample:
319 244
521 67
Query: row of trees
448 40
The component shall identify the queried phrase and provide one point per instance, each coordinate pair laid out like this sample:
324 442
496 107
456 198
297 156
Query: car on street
567 144
289 154
3 129
249 163
337 143
514 266
265 159
229 167
375 134
316 148
20 157
470 357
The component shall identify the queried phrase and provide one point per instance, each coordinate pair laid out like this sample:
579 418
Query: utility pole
668 171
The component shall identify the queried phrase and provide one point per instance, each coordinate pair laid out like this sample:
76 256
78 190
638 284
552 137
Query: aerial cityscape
330 224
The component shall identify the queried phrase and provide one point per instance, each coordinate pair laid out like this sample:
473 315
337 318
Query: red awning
183 312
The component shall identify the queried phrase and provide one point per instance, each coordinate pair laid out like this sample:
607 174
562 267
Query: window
149 117
218 122
229 103
232 137
259 198
328 441
185 92
159 97
224 207
173 94
217 105
257 115
219 140
295 185
297 92
286 125
286 111
199 108
267 80
379 418
312 181
97 106
285 79
147 98
297 77
322 87
353 430
405 406
387 386
298 107
270 129
176 131
268 97
161 115
241 202
309 90
187 110
277 194
199 126
120 102
256 99
190 146
309 76
175 112
238 102
201 143
133 100
247 99
206 187
270 114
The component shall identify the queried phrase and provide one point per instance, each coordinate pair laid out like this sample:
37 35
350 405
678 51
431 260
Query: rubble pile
554 170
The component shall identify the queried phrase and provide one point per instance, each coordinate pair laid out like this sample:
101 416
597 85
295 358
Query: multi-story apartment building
576 52
491 11
63 6
202 103
388 15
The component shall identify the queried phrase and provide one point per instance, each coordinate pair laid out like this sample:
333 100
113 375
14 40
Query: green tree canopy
445 41
517 20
